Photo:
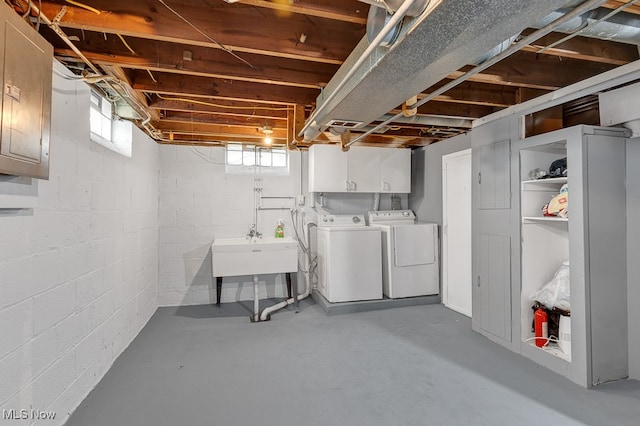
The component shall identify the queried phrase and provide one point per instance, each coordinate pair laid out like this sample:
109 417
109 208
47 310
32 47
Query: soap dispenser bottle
280 229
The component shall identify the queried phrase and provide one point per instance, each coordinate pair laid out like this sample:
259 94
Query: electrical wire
151 75
205 35
28 10
205 157
84 6
126 44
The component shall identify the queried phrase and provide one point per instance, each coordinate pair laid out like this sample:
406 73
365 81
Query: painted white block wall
78 273
198 202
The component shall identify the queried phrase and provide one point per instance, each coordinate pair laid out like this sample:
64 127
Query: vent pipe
392 6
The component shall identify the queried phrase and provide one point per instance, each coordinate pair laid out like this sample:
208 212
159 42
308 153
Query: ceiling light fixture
268 131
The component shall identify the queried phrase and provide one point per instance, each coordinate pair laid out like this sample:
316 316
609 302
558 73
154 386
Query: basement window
106 128
241 159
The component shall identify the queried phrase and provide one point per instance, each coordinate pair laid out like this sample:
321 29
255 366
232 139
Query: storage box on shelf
592 239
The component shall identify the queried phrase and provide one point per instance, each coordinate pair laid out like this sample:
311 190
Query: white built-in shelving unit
592 238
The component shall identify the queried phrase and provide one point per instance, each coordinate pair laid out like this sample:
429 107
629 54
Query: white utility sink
254 256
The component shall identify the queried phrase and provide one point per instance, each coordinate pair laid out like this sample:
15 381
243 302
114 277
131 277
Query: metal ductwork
623 27
445 37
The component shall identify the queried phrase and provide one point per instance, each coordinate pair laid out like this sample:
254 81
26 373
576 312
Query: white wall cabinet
327 169
363 164
395 170
592 239
361 169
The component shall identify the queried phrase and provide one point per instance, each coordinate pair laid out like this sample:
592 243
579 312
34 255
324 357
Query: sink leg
256 299
218 290
288 276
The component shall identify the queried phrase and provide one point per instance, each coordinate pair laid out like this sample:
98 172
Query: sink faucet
253 232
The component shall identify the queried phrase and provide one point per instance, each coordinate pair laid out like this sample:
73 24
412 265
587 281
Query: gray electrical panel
26 61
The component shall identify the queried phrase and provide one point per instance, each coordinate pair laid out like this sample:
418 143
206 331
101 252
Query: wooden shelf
552 349
538 219
551 181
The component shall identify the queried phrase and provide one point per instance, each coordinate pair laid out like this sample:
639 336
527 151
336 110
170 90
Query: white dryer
349 259
410 254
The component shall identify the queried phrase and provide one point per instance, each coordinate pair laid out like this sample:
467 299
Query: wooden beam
238 28
614 4
584 48
175 85
156 55
221 107
526 69
475 94
299 119
216 130
345 10
222 120
454 109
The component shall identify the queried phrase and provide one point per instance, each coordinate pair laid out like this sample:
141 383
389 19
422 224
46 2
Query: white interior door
456 231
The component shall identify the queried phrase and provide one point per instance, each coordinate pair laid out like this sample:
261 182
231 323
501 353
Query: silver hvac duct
622 27
447 36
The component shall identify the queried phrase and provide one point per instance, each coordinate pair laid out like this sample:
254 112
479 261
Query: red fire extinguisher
541 327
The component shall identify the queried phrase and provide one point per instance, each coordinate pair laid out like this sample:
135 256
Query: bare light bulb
268 140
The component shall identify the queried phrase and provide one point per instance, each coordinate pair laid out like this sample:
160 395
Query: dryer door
414 244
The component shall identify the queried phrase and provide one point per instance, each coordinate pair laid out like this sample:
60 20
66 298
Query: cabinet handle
354 186
478 281
479 177
386 186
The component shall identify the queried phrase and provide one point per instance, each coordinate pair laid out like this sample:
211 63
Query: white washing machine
410 254
349 259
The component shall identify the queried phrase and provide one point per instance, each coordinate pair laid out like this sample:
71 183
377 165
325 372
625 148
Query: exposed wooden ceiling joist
339 10
239 28
206 69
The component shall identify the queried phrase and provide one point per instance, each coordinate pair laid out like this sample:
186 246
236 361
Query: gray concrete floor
419 365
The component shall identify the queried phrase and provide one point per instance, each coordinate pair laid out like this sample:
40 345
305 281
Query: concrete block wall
78 273
198 202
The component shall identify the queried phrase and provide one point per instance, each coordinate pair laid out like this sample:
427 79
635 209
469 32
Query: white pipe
584 7
256 299
393 5
267 311
399 15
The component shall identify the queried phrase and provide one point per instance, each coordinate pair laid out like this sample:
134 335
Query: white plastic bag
556 293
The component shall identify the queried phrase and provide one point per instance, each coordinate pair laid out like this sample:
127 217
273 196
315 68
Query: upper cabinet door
493 179
364 169
327 169
395 170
